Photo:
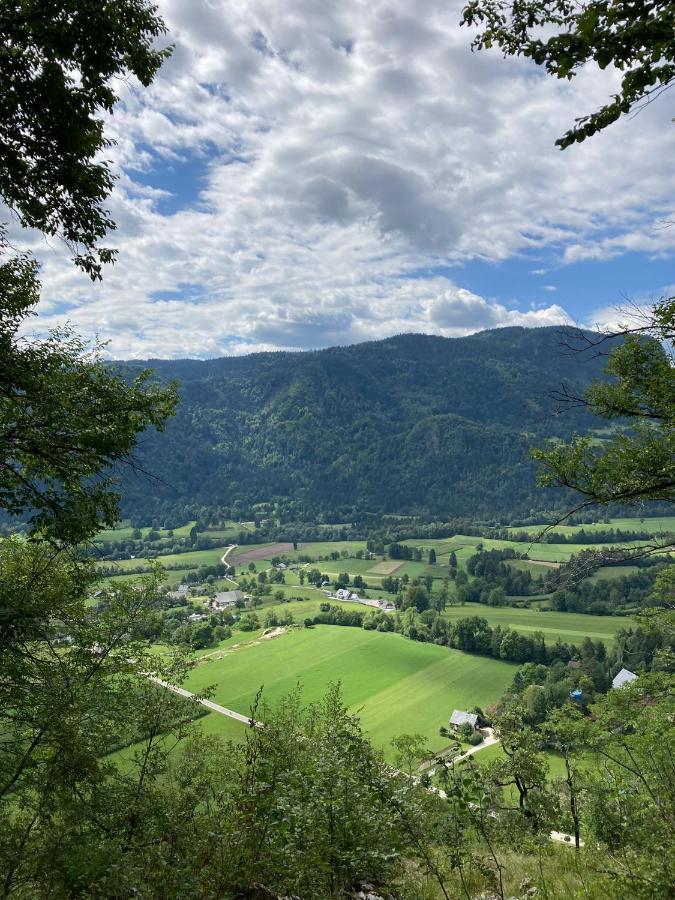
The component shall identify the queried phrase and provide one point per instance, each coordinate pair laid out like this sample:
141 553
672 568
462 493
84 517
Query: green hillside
413 424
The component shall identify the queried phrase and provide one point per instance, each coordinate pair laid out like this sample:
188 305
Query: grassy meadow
396 686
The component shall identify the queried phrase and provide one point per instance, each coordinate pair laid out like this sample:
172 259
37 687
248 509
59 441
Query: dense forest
414 424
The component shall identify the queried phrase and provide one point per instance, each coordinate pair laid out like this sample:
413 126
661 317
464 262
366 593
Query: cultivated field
395 685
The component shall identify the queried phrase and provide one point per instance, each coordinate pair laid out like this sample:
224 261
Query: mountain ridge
411 424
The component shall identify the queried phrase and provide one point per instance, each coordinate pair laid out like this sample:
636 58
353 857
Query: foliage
629 467
638 39
66 421
461 414
58 65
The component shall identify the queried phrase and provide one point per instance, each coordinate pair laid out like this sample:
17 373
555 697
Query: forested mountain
413 424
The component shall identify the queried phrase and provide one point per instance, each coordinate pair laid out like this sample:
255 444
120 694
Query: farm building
224 599
196 617
344 594
459 717
625 676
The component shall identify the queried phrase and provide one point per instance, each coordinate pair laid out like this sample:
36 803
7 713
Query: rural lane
209 704
226 563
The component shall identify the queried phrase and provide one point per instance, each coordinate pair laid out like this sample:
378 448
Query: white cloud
336 151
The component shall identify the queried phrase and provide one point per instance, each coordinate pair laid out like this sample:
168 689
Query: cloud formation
297 165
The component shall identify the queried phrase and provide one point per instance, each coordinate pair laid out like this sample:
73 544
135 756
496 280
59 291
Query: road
226 563
209 704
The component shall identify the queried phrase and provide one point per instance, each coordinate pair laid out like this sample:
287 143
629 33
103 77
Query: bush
476 739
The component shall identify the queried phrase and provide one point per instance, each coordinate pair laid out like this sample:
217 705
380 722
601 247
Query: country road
209 704
226 563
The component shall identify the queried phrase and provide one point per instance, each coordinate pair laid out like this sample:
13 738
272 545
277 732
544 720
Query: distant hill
414 424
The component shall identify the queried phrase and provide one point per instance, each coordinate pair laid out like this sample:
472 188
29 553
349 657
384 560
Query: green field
611 573
395 685
569 627
124 532
653 524
191 559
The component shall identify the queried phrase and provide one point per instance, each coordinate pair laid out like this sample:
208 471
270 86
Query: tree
432 557
52 127
630 466
70 673
638 39
67 421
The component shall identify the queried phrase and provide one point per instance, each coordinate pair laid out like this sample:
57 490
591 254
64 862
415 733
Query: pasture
653 524
396 686
124 532
569 627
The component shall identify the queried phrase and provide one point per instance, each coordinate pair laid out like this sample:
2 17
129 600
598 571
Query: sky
303 174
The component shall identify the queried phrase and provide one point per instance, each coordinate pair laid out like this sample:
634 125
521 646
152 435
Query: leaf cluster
638 39
59 60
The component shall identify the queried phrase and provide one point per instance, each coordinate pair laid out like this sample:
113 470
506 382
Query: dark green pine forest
414 424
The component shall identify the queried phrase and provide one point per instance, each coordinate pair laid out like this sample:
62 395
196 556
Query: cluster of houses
380 603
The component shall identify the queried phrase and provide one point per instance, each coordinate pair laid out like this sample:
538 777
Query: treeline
471 634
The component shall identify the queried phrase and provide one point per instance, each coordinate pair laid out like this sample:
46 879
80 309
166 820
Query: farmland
395 686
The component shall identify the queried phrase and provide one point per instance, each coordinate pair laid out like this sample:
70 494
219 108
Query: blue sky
303 174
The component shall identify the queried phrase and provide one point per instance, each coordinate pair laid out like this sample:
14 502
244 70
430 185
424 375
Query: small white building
196 617
459 717
625 676
226 599
343 594
183 588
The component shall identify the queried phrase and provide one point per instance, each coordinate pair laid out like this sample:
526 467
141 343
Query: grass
569 627
395 685
124 532
192 559
611 573
653 524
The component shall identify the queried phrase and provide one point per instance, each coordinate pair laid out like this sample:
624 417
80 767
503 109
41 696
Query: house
196 617
343 594
459 717
625 676
574 664
183 588
386 605
225 599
